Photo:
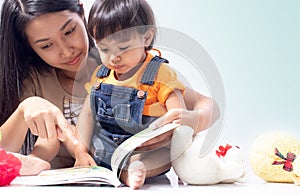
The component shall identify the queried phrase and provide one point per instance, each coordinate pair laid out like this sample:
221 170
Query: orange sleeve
167 82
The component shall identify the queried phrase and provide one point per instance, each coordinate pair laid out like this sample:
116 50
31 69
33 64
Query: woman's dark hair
17 57
108 17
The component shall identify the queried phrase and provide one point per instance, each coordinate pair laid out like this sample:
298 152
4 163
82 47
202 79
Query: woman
44 48
46 58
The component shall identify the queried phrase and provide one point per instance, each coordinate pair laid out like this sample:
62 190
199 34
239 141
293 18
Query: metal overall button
140 94
96 85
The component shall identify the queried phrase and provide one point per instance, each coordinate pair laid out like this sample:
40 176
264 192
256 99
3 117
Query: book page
73 175
121 154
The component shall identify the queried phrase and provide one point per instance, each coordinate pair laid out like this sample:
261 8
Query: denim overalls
119 112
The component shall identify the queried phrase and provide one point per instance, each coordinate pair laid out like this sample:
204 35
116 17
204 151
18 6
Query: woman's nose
67 50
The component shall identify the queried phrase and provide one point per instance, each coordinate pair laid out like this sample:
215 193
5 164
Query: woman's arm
79 147
201 113
13 132
174 101
43 119
45 149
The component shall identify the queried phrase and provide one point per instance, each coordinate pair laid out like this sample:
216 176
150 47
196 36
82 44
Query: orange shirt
165 83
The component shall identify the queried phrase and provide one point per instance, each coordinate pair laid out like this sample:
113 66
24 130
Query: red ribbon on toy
223 150
287 161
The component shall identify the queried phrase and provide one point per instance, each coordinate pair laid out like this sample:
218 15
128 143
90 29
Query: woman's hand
156 142
179 116
176 115
201 113
44 118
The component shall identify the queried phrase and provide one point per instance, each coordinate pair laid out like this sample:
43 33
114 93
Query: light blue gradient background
255 45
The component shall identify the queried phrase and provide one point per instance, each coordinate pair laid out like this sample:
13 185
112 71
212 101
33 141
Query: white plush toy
224 165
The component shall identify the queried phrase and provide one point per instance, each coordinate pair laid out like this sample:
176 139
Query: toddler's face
122 54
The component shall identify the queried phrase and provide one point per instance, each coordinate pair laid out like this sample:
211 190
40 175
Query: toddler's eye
123 48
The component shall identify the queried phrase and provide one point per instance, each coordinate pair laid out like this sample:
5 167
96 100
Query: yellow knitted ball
262 156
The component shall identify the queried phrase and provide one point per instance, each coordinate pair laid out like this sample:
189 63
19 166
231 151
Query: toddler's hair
108 17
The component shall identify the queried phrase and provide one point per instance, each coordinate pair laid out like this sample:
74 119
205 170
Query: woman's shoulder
40 77
33 84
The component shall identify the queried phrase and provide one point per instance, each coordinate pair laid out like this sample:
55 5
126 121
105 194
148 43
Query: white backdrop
255 46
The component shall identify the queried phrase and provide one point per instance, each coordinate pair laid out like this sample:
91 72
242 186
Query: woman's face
60 39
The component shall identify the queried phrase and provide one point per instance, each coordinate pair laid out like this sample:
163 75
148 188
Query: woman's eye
47 46
70 31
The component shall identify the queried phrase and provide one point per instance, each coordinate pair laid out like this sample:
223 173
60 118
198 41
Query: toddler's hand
84 160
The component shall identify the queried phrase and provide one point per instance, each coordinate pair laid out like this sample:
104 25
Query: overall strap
152 69
149 74
103 72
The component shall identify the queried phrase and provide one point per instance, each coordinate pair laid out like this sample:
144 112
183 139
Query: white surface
162 185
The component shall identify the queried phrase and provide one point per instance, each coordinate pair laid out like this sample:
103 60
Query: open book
95 175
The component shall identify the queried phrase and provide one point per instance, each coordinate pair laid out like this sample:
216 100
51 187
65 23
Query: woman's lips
74 60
